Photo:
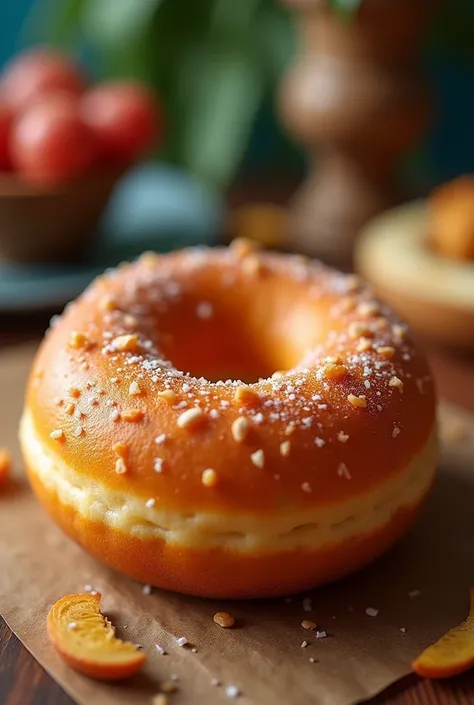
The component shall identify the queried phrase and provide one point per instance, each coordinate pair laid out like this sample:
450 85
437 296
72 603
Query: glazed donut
230 423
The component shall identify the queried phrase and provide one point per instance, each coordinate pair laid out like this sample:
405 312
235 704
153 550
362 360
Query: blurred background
239 126
177 46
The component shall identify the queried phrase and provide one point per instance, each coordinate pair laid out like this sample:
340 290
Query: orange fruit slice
452 654
86 639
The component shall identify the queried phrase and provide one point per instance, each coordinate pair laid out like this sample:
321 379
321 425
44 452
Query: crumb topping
209 477
362 363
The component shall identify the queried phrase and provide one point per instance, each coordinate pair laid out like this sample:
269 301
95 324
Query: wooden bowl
51 224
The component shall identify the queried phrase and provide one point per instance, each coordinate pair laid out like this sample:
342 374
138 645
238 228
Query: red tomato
50 143
125 118
35 73
6 118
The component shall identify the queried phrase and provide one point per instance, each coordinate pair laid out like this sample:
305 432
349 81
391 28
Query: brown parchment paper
263 657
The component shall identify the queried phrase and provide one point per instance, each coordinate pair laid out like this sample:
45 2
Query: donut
230 423
417 259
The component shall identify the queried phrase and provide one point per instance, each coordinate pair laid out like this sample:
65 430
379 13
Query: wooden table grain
24 682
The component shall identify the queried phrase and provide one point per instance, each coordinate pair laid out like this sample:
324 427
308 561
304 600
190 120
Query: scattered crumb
224 619
168 687
146 589
312 659
308 624
232 691
321 635
181 641
160 699
304 644
371 612
160 650
403 630
215 683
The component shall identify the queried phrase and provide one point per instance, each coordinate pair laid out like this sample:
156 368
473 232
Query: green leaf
276 36
221 88
53 21
117 22
347 9
234 17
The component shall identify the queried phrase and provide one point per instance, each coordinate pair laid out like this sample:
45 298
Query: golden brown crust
102 397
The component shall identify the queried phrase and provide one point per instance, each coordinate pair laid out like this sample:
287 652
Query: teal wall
12 15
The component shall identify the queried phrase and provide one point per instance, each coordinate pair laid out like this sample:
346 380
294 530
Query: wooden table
24 682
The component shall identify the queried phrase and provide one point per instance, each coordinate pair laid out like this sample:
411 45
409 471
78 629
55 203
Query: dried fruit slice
86 639
452 654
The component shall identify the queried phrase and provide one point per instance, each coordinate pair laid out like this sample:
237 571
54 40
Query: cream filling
283 531
392 253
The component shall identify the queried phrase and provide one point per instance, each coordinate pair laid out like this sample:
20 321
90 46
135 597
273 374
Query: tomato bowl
52 223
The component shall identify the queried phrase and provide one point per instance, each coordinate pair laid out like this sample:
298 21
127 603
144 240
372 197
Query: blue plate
154 207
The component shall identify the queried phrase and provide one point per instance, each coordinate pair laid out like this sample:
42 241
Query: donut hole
248 341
